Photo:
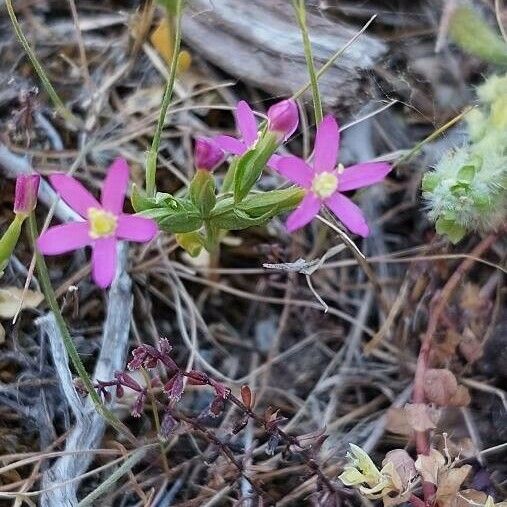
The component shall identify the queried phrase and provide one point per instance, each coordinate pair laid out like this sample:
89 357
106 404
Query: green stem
300 10
151 163
57 102
50 296
336 55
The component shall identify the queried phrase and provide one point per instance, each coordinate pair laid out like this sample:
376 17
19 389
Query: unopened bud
207 154
26 194
283 118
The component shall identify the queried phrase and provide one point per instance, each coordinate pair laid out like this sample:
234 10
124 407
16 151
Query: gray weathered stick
89 425
258 43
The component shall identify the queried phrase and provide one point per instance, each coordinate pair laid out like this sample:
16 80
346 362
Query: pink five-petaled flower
207 154
103 225
325 182
282 117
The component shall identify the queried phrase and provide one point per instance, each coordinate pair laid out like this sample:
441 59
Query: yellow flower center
324 185
102 223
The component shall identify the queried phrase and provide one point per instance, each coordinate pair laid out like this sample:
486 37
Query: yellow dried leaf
449 483
420 416
12 297
429 465
162 40
397 421
2 334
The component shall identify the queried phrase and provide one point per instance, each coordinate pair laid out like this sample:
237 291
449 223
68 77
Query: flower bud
207 154
26 194
283 118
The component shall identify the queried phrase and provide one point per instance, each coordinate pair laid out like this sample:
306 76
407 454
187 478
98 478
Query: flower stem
300 10
50 296
151 163
46 83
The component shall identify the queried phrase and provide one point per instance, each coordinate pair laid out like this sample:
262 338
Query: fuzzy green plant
466 191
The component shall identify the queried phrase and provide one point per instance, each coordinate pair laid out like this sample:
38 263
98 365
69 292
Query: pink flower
103 225
283 118
207 154
25 197
283 115
325 182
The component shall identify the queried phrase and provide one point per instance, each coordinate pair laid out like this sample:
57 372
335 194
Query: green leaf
470 31
9 240
141 202
274 201
202 192
236 219
430 181
251 165
255 209
174 214
451 229
192 242
466 174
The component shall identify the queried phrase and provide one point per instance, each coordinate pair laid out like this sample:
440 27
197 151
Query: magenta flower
283 116
207 154
25 197
325 182
103 225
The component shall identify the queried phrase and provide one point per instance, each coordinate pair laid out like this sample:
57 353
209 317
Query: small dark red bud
197 378
220 389
126 380
174 387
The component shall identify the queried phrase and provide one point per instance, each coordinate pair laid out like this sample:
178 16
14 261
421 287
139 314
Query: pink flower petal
273 161
349 214
295 170
327 140
115 186
64 238
73 193
304 213
246 123
134 228
361 175
104 261
231 144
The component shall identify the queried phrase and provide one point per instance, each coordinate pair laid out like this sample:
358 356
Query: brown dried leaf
246 396
470 497
429 465
440 385
420 416
12 297
404 466
449 483
397 421
461 397
396 500
2 334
